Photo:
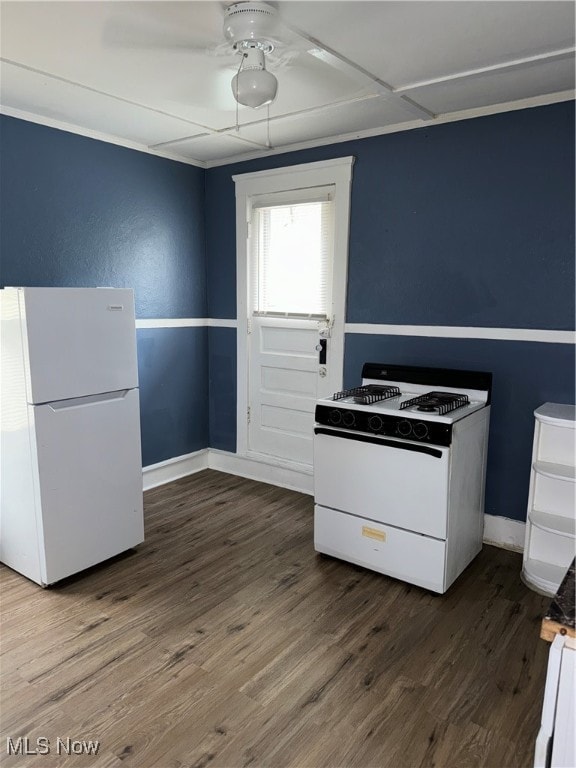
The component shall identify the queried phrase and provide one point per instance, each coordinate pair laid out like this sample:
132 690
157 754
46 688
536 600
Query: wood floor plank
226 641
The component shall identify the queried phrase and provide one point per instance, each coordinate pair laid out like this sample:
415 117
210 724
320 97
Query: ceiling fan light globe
254 87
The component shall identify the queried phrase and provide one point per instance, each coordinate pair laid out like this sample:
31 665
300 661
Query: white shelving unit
550 541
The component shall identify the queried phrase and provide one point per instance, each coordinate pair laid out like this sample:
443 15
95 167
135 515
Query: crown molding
450 117
88 133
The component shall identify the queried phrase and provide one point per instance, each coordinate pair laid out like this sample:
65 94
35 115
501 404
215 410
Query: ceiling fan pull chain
268 144
242 57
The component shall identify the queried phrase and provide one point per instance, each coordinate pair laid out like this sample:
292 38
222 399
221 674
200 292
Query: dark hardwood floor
224 640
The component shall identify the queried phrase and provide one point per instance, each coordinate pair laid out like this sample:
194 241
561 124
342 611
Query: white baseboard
253 469
498 531
173 469
209 458
504 532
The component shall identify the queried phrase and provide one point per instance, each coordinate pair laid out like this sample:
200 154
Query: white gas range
399 472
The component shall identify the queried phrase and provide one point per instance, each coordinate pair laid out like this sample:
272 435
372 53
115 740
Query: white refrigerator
70 461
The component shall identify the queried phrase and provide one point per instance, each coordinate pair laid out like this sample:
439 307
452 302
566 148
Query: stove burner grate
441 402
368 394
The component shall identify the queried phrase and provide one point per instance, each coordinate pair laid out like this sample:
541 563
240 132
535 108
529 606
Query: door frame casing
337 173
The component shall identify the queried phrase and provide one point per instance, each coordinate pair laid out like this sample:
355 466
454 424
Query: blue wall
79 212
173 371
469 223
222 376
464 224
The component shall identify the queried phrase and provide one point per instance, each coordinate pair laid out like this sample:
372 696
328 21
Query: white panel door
81 341
285 379
291 294
90 479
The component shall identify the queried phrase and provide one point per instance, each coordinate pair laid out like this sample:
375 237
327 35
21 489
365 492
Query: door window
292 249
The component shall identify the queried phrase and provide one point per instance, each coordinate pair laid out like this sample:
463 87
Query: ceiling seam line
376 81
224 132
103 93
230 130
469 73
310 111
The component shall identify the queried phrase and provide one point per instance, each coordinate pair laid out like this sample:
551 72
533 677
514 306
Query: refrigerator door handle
81 402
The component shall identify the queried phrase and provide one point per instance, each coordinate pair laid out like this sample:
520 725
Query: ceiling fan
251 36
248 34
251 28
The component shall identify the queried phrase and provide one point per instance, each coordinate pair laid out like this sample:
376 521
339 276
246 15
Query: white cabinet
551 519
555 744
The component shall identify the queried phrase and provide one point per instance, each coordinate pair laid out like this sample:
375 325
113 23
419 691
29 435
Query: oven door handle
415 447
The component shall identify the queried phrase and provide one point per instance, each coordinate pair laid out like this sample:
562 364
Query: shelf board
557 414
543 577
557 524
556 471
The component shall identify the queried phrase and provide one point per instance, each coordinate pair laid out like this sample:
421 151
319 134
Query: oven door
395 482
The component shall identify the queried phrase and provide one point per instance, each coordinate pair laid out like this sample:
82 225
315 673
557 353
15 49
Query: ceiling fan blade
282 58
146 32
224 49
120 32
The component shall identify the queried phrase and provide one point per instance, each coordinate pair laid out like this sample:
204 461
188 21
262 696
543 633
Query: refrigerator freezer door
80 341
90 479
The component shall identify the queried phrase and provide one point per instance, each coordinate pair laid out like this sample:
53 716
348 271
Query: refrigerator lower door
90 480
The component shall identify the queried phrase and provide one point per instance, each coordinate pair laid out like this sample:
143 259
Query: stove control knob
375 423
404 428
335 416
420 430
348 419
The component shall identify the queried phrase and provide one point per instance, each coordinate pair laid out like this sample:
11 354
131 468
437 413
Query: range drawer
392 551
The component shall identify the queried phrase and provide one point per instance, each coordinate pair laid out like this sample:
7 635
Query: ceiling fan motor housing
253 58
250 21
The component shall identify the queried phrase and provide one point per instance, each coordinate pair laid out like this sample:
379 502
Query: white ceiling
156 75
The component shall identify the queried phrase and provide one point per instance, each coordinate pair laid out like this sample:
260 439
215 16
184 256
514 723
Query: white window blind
292 244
